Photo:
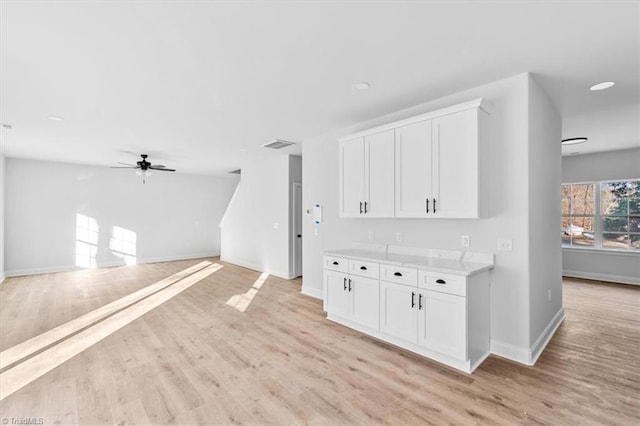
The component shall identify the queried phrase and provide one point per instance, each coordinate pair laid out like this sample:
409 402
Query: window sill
617 252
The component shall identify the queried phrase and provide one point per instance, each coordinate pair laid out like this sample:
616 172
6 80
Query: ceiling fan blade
160 166
124 167
161 169
126 164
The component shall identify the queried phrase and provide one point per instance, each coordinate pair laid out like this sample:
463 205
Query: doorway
297 229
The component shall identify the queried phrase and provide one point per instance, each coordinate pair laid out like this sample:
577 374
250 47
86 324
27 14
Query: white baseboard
312 292
546 335
283 275
509 351
110 264
2 277
528 356
623 279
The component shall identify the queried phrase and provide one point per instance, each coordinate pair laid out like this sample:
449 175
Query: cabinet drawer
364 268
336 264
399 274
451 284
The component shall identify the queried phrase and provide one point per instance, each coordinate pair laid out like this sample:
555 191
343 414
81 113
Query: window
620 214
602 215
578 214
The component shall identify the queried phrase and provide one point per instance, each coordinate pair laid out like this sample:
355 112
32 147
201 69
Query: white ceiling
193 83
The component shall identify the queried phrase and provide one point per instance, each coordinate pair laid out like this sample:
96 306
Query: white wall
545 252
598 264
2 209
255 231
507 196
173 216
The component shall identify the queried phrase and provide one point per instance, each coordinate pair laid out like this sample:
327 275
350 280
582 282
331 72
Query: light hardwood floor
196 360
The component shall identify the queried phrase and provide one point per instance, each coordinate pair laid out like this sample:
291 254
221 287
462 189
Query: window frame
598 228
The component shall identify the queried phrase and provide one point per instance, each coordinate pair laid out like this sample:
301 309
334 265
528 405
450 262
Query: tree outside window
601 215
620 214
578 215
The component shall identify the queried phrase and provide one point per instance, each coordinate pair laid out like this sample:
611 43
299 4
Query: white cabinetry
352 297
442 316
442 323
397 314
435 171
366 176
413 170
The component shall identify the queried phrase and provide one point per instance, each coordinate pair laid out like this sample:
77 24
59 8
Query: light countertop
444 261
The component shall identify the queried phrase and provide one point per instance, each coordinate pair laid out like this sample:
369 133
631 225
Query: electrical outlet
315 231
276 225
464 241
399 237
372 235
505 244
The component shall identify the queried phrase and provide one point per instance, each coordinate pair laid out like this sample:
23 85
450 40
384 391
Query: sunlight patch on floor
241 302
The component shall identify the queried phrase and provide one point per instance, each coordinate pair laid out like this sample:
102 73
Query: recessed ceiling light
55 118
363 85
574 153
573 141
601 86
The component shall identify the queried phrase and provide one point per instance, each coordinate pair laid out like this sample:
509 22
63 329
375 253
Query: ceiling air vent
236 172
278 144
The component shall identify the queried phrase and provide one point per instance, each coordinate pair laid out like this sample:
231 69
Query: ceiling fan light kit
143 168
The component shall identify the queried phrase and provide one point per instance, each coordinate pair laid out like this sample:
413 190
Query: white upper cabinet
366 176
413 170
423 166
379 174
455 165
352 177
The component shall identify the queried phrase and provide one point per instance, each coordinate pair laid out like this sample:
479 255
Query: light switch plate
505 244
399 237
464 241
372 235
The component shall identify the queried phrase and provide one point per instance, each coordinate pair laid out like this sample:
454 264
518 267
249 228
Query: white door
336 294
297 229
443 324
455 172
352 178
398 311
413 170
365 297
379 174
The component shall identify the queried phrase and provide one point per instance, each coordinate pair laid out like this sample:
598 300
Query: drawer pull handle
363 268
413 299
349 284
344 281
441 282
420 301
397 274
335 263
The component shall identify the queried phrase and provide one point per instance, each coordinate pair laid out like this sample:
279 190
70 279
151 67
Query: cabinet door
364 300
398 317
455 164
379 174
352 177
442 324
413 170
336 295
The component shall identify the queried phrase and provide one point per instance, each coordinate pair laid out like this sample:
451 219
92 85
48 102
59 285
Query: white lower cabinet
441 316
442 323
352 298
398 316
